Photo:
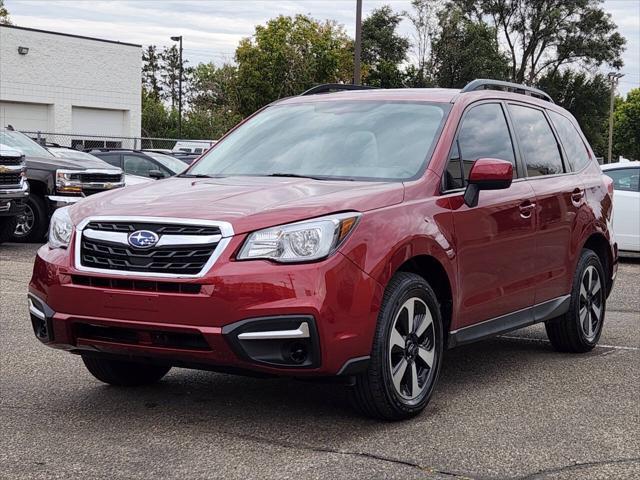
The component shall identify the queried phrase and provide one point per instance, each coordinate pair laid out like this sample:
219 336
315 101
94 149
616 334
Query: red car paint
517 248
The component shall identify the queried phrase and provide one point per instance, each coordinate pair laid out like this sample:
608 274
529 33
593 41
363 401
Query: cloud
212 29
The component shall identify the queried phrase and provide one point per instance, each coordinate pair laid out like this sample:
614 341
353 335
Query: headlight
300 242
60 228
68 182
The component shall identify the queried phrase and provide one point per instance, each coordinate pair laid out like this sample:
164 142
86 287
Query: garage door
97 121
31 117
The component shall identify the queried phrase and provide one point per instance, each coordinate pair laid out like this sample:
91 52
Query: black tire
7 226
35 205
574 332
374 393
124 374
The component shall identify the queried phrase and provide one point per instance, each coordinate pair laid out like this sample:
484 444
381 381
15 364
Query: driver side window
484 134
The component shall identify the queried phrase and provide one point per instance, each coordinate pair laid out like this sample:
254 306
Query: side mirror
487 174
156 174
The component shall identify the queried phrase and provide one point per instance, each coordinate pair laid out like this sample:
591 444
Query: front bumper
12 199
314 319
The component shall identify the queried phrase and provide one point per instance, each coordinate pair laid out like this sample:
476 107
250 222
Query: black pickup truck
14 189
54 182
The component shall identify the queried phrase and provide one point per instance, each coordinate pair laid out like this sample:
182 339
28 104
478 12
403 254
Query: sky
211 29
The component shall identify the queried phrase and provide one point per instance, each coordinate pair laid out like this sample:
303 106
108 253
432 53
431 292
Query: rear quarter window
577 153
537 141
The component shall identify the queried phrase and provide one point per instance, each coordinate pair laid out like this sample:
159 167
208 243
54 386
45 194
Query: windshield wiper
296 175
198 175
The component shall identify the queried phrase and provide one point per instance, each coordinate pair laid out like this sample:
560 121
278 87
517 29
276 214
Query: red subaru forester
354 233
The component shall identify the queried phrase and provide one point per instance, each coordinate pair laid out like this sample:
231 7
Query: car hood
48 163
248 203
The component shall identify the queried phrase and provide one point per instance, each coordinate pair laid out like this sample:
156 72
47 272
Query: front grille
184 259
160 229
10 178
98 177
10 160
136 285
154 338
112 256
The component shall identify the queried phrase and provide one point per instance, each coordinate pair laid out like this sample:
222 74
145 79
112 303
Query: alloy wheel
591 304
412 349
25 222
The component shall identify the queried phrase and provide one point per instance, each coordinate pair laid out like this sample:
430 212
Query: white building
67 84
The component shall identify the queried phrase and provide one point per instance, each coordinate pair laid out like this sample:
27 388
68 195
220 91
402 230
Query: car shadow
278 406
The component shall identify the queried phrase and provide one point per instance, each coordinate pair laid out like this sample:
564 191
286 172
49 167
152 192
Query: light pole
613 80
179 39
357 77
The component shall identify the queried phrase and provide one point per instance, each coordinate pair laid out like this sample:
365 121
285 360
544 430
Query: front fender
388 237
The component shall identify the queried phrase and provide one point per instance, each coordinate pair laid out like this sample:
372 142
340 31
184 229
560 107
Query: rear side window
574 147
484 134
627 179
539 146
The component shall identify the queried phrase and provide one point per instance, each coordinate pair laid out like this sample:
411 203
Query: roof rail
334 87
487 84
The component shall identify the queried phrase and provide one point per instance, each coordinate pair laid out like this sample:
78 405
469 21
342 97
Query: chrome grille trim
225 228
165 240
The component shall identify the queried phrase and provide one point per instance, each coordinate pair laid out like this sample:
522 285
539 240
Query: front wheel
406 354
32 222
579 329
122 373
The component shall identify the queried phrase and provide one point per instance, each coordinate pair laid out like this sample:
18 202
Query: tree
213 101
587 98
626 130
423 17
151 71
156 120
464 50
212 87
289 55
170 74
4 15
544 35
383 49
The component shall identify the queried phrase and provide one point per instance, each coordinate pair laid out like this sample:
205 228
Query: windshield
349 140
173 164
23 143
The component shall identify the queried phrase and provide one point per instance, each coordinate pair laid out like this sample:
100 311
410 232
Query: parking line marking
542 340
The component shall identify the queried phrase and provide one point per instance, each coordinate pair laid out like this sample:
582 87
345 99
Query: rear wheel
33 222
124 374
579 329
406 354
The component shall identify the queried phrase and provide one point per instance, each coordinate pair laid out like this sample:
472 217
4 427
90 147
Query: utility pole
613 81
357 76
179 39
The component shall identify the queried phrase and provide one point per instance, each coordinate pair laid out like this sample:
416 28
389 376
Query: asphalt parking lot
508 408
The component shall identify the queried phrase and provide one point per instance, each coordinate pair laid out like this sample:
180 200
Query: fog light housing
287 341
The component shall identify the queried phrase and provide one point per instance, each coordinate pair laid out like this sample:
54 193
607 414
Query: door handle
576 196
526 209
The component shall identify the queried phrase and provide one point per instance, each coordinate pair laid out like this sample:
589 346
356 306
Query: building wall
63 77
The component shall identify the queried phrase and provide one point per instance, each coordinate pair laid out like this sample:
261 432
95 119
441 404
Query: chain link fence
81 142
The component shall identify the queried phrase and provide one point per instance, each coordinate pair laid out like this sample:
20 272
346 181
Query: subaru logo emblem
143 239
